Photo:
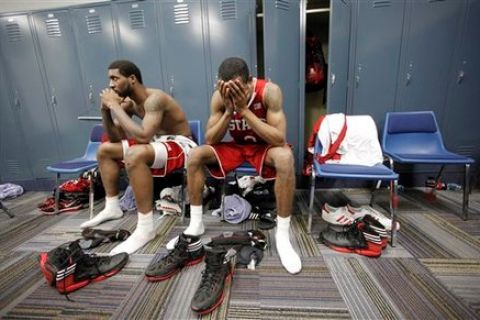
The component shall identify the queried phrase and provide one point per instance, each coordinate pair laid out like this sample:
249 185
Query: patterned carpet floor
433 272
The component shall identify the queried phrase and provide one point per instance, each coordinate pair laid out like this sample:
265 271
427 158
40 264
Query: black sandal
94 237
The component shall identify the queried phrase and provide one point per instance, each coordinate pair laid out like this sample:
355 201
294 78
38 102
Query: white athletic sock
144 233
289 258
195 228
111 211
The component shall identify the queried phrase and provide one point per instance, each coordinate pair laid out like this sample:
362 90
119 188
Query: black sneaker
187 252
68 268
218 270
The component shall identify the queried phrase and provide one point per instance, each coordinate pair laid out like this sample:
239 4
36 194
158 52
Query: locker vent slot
181 13
435 0
228 9
468 151
282 4
14 168
14 33
53 27
94 24
137 19
382 3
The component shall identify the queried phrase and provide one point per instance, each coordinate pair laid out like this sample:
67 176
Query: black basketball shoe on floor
187 252
68 268
218 271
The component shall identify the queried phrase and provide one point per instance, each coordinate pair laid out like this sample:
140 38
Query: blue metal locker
461 132
183 56
338 55
139 40
431 28
96 45
281 25
377 55
232 33
55 38
14 160
27 96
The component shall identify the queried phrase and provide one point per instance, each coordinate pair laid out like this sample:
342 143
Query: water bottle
454 187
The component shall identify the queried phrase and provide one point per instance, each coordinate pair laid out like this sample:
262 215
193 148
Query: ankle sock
144 233
289 258
195 228
111 211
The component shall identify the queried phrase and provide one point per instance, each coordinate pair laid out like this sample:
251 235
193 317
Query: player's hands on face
239 94
225 94
109 97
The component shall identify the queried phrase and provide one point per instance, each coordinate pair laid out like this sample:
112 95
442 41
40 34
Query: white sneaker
338 216
103 216
364 210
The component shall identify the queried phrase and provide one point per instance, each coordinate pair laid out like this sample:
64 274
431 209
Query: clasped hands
234 94
109 98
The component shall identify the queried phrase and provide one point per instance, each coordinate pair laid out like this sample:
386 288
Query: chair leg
222 200
91 195
393 206
375 188
310 204
6 210
183 195
466 191
57 192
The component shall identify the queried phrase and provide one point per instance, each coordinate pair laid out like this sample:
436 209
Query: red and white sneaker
336 216
367 210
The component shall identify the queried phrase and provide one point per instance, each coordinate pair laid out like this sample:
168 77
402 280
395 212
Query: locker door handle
409 79
90 94
54 101
357 81
332 79
16 100
461 75
170 90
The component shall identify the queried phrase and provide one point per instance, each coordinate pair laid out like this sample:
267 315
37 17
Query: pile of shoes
68 268
73 194
361 230
222 254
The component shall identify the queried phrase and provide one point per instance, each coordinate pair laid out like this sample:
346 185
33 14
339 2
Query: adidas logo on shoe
336 216
68 268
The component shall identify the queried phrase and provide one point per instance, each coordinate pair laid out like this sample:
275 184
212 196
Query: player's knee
134 157
284 161
196 158
104 151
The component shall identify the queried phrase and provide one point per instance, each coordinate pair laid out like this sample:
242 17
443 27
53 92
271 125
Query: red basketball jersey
239 128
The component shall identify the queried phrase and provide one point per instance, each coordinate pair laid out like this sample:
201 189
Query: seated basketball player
251 110
160 142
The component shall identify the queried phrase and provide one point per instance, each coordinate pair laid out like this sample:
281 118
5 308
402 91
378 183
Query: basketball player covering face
251 110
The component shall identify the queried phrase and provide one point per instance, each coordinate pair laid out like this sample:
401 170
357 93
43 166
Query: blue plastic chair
377 173
415 138
75 166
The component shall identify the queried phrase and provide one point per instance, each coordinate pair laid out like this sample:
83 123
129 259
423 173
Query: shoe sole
173 272
219 301
361 251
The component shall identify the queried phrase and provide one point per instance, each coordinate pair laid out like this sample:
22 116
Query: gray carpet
432 273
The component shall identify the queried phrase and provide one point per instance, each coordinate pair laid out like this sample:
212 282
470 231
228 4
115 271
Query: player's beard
126 92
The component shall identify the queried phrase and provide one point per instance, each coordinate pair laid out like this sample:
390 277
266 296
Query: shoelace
210 276
172 256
